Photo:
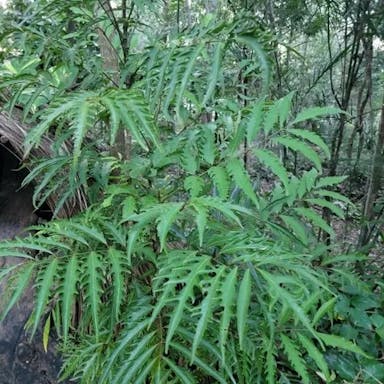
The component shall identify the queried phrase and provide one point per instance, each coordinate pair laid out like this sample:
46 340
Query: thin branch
106 6
330 56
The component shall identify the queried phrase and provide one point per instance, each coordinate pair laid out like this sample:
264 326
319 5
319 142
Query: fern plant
206 266
183 269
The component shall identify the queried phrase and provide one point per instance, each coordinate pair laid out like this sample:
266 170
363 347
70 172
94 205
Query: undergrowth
182 269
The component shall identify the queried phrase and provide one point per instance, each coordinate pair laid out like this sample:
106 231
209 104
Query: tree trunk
363 98
374 185
111 66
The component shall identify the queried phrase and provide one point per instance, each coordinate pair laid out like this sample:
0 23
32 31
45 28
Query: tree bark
363 98
111 66
374 185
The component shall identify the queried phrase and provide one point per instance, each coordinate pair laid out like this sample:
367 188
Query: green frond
299 146
327 204
63 228
186 76
20 282
139 108
43 287
271 364
66 108
205 367
207 143
182 374
175 74
22 247
243 301
133 236
294 356
342 343
254 43
242 179
201 221
297 227
215 71
137 357
206 310
146 371
116 232
194 185
312 137
284 106
163 214
90 232
315 354
160 79
49 169
92 281
220 178
115 117
271 118
273 162
333 195
129 207
207 347
285 296
187 293
68 292
228 294
189 158
116 259
225 208
84 118
325 308
255 120
309 178
315 219
329 181
130 334
315 112
167 217
236 139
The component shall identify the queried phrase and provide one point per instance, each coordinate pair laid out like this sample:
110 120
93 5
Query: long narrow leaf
44 291
23 279
243 301
206 311
227 301
68 294
94 289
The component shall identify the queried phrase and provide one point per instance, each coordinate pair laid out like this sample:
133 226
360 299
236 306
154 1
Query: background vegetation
231 158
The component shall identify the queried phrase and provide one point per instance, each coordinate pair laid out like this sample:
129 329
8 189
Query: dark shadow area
22 361
16 209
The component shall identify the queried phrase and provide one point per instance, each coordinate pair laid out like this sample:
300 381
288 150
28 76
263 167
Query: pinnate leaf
342 343
312 137
315 112
243 300
220 179
315 354
167 218
228 293
294 356
242 179
273 162
301 147
315 219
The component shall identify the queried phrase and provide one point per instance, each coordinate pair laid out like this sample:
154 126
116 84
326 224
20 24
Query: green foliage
183 268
